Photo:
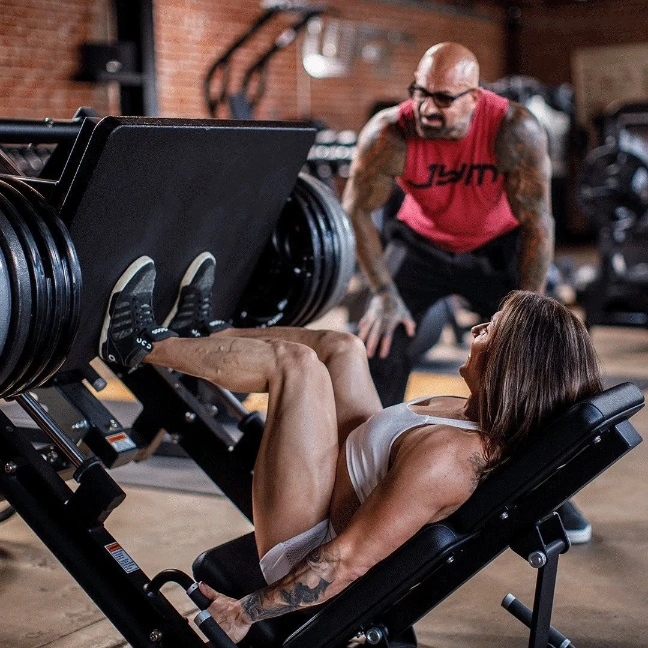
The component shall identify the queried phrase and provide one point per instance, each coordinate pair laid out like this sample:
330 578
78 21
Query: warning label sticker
121 442
124 560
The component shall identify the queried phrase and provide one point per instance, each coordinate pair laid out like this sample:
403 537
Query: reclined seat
513 507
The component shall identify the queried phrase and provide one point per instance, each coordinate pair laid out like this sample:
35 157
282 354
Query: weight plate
5 302
332 243
21 306
312 280
611 179
298 243
346 263
37 326
276 287
327 252
55 299
71 273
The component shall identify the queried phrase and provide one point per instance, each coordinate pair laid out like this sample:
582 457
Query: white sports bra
368 447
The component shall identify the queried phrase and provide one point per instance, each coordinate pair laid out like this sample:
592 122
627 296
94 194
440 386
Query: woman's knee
295 358
338 343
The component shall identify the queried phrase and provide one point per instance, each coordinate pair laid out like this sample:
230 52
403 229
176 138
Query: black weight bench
511 508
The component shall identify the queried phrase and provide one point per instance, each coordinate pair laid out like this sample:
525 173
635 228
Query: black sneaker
129 328
578 529
191 315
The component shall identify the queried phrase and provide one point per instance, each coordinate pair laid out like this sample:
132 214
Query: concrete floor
602 591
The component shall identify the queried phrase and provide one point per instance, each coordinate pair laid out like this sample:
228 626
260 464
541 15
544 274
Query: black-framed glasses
441 99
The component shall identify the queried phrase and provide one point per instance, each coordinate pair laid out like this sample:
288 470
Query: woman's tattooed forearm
304 586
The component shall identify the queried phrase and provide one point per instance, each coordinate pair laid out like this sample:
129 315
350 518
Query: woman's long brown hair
539 360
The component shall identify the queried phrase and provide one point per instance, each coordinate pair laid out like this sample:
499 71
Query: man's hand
228 613
386 311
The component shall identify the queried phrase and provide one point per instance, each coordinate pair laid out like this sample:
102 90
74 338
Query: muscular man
476 220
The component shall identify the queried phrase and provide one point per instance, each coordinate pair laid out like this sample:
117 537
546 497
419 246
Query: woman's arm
425 484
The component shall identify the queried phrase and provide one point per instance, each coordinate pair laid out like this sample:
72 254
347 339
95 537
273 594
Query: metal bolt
52 456
190 417
537 559
175 438
156 635
374 636
49 121
10 467
113 425
80 425
504 515
113 66
99 384
450 560
596 439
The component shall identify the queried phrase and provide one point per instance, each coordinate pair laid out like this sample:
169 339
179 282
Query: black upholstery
572 451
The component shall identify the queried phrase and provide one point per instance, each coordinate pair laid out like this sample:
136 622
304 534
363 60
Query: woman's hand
228 613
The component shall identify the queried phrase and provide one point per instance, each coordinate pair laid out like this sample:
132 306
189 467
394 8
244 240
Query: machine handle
213 631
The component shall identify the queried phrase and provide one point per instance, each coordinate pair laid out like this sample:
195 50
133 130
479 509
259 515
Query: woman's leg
295 469
345 358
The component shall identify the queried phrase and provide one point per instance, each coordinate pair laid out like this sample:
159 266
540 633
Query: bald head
445 91
451 64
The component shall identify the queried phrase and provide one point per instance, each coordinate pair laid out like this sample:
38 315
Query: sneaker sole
581 536
128 274
185 281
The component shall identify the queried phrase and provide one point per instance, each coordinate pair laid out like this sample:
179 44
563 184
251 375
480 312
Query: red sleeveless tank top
455 195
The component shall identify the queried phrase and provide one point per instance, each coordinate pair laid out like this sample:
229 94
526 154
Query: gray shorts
284 556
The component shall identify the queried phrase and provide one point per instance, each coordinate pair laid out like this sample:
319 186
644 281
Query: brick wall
39 56
39 42
549 35
191 34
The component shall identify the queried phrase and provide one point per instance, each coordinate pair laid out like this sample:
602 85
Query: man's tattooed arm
522 155
314 580
380 158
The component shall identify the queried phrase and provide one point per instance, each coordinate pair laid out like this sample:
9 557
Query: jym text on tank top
455 195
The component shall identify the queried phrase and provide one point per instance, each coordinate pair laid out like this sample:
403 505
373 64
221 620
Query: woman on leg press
333 465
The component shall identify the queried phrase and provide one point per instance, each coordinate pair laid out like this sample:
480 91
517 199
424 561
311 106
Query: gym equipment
307 265
242 103
332 154
118 188
613 192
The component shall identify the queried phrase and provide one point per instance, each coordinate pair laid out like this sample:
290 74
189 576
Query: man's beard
434 130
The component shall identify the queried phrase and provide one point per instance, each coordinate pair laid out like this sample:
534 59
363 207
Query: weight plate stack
41 288
306 267
21 295
38 286
344 242
70 274
324 249
279 287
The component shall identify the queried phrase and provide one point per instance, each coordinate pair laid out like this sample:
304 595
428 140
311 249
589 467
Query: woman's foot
191 315
129 328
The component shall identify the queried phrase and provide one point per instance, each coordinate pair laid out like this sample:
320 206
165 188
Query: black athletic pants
424 274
